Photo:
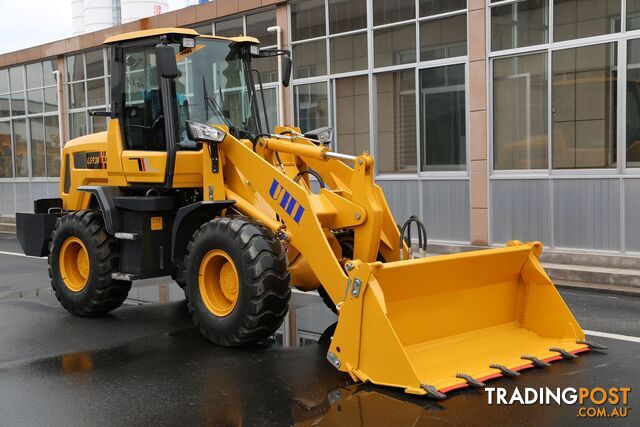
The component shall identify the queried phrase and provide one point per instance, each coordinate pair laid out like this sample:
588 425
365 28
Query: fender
188 219
105 195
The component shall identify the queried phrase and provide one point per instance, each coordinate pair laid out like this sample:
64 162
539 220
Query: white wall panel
446 211
632 214
587 213
520 211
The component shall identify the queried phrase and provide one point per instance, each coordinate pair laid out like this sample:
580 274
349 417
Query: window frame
329 78
86 108
27 117
620 40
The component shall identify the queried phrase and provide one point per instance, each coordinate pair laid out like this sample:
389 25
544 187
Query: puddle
307 320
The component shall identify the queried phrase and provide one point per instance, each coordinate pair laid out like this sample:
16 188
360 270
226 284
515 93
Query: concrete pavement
147 364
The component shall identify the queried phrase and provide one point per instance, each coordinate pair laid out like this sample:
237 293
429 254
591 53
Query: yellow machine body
417 324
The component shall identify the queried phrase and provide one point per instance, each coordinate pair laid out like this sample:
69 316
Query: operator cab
164 78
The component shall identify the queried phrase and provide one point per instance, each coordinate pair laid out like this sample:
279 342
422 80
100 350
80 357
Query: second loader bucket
435 324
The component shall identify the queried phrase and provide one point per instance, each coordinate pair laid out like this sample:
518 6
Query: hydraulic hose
310 172
422 237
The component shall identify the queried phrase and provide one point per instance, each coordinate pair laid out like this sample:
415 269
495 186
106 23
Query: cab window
143 116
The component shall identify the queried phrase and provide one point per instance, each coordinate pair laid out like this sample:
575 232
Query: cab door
144 127
145 149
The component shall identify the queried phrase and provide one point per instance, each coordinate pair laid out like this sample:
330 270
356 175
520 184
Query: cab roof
172 30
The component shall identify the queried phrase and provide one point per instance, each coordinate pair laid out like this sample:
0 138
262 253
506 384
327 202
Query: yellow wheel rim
218 282
74 264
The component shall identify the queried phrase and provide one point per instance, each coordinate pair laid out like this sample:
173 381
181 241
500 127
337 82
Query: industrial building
490 120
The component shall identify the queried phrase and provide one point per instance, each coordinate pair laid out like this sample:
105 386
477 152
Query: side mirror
166 60
286 70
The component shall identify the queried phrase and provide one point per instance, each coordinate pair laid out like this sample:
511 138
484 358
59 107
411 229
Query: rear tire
237 281
82 257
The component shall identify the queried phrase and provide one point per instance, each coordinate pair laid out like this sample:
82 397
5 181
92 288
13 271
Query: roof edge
150 33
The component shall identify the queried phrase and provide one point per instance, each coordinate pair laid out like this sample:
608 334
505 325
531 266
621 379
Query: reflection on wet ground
164 372
308 318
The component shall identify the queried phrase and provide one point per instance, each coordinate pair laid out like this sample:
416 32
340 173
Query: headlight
204 133
321 135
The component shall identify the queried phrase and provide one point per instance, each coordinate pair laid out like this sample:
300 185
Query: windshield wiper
210 102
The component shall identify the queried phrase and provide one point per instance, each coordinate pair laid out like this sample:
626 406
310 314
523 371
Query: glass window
6 151
574 19
311 106
4 80
143 103
76 95
34 75
268 68
633 104
77 124
5 102
271 103
52 140
95 63
17 104
307 19
395 45
387 11
37 147
443 38
34 101
584 107
520 112
347 15
352 115
436 7
519 24
205 30
51 99
17 78
633 14
257 25
309 59
349 53
48 68
443 118
230 28
75 68
96 93
21 154
396 122
98 124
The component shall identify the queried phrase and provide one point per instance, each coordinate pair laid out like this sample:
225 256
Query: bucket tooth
433 392
592 345
470 380
505 371
564 353
536 362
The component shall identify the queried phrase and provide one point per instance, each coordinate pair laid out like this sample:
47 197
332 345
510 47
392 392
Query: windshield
212 87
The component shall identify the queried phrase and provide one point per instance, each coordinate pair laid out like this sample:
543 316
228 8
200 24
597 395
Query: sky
27 23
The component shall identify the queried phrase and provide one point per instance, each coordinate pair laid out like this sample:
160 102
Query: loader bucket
435 324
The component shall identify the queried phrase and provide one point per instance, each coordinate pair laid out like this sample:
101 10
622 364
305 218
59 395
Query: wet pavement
145 363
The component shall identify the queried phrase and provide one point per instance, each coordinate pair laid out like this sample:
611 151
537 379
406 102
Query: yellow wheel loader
191 181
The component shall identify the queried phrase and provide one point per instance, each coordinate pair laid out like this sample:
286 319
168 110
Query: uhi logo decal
143 164
287 202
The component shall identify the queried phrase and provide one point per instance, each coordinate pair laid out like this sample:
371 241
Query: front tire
237 281
82 257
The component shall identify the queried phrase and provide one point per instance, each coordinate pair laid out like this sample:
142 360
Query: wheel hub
74 264
218 282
